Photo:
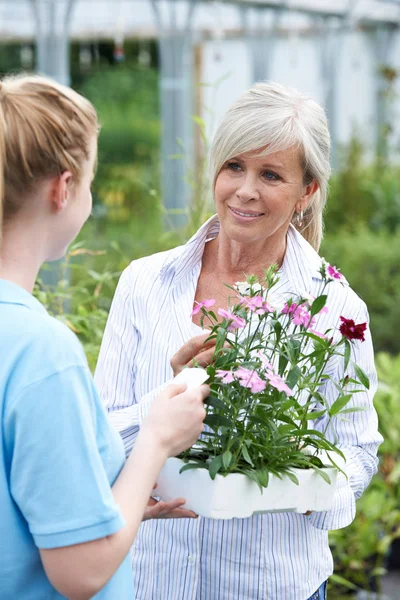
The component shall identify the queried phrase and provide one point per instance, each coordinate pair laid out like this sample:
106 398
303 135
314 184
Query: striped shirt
281 556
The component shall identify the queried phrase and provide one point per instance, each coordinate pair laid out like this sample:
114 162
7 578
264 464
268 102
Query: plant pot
236 496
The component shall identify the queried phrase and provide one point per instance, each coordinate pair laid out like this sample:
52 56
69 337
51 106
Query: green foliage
360 550
81 297
126 99
371 263
362 193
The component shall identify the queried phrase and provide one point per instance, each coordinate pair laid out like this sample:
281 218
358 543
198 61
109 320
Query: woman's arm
116 365
115 370
357 437
173 424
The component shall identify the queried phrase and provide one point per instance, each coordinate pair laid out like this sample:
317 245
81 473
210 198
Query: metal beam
368 11
176 101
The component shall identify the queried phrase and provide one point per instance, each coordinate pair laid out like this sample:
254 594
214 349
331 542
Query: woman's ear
308 193
61 191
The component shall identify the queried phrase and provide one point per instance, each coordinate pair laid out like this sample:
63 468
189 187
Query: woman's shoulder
47 344
149 267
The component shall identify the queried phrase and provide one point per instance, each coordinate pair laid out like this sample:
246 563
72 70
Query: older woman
270 161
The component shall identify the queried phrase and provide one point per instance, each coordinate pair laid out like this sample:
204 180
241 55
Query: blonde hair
270 117
45 129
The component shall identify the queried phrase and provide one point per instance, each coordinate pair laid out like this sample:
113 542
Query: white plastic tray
237 496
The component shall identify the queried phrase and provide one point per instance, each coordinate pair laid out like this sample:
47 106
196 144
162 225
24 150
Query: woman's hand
195 349
167 510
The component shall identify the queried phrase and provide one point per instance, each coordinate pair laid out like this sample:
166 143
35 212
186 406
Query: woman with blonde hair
270 171
69 507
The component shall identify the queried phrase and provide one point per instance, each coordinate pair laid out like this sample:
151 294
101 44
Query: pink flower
300 314
225 376
250 379
199 305
257 304
266 364
319 334
236 322
289 309
277 382
333 272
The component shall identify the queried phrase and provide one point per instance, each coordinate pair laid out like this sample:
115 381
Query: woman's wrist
152 443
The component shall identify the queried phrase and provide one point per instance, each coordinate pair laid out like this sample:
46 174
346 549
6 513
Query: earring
299 218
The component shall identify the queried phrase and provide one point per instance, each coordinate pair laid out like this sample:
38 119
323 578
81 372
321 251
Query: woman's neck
20 256
229 259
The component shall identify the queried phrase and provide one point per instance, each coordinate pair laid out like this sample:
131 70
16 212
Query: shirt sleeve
57 477
115 370
357 437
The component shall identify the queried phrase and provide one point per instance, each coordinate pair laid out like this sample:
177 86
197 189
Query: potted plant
269 363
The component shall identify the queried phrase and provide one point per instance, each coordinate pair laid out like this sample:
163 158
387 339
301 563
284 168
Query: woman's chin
57 255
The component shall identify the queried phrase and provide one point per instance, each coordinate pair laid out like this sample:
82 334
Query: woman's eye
271 176
233 166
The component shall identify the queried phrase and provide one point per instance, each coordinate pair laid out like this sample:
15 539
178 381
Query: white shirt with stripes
281 556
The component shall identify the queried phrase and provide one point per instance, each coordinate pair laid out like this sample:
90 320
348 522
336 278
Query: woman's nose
248 190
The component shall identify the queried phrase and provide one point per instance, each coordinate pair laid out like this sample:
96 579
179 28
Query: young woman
69 507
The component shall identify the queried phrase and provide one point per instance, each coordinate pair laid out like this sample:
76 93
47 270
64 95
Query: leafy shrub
363 193
127 101
371 263
81 297
360 551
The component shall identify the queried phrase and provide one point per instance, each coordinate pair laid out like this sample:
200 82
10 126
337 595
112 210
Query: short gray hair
271 117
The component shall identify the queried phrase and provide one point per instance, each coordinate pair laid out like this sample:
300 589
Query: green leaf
216 421
216 402
339 404
313 415
292 477
283 361
354 409
215 465
342 581
193 465
361 376
321 472
318 304
262 476
293 376
227 458
347 352
247 456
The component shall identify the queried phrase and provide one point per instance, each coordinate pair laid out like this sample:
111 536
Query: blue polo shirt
58 453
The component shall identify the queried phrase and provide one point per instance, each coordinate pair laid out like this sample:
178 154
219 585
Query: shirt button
191 559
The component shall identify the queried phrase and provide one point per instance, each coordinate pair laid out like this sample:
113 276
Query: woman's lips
245 215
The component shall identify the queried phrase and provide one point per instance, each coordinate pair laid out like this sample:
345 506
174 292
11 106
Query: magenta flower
199 305
333 272
277 382
236 322
225 376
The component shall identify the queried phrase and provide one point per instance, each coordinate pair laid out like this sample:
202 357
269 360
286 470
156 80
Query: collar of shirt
11 293
301 262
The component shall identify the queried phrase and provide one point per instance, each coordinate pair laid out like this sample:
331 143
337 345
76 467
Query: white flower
244 288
